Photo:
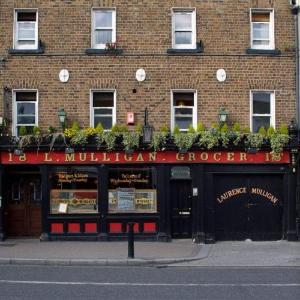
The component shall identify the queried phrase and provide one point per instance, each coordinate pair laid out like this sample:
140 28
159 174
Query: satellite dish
64 75
140 75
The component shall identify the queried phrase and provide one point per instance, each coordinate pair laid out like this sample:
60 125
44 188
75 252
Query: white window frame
114 109
113 28
194 114
272 108
15 31
192 12
14 109
271 45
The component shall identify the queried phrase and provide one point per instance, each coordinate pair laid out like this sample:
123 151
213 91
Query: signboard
125 199
180 173
220 157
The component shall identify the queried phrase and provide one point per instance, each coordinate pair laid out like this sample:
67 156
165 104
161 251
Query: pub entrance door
23 205
181 205
248 207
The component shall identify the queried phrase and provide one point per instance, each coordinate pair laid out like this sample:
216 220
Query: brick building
104 61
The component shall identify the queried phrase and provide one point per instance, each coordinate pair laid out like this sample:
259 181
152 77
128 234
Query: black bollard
130 240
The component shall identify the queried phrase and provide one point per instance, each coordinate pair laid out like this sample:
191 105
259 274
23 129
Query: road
209 283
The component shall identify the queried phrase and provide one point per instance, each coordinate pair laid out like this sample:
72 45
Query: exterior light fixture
18 152
69 150
62 117
1 121
147 129
222 115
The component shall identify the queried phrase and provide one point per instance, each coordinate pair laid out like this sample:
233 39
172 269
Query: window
74 190
25 111
184 29
103 109
262 110
104 27
262 29
184 112
132 190
26 29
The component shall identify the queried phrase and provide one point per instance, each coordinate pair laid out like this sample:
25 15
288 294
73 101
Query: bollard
130 240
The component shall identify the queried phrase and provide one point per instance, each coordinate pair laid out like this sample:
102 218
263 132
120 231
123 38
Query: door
23 208
248 206
181 202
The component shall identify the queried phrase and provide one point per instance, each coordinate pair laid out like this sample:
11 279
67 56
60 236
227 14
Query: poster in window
125 199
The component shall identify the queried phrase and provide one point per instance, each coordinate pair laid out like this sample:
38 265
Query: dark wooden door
248 206
23 210
181 201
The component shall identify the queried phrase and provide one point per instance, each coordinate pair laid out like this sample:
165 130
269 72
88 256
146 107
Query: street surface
209 283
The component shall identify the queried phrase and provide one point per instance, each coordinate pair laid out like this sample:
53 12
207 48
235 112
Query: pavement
175 253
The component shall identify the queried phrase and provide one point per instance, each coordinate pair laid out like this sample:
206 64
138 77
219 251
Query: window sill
26 52
263 51
92 51
199 49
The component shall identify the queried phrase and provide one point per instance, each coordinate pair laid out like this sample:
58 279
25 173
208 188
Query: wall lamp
62 115
223 115
147 129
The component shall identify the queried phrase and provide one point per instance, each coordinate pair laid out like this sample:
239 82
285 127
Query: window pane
26 16
103 36
183 122
26 120
261 103
103 19
260 16
132 190
103 111
183 37
259 122
183 111
260 31
25 108
26 31
183 21
183 99
261 42
73 190
103 99
105 121
25 96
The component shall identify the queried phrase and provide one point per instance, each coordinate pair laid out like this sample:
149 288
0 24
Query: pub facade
206 196
210 86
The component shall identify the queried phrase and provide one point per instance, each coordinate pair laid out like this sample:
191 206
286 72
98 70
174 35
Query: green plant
237 134
22 130
224 135
278 141
236 128
283 129
165 128
109 137
208 139
262 131
99 128
191 129
70 132
79 138
270 131
254 140
158 140
57 137
36 131
51 130
131 140
200 127
119 128
184 141
139 128
176 130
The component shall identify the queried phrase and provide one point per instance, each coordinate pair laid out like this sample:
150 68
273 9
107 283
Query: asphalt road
48 282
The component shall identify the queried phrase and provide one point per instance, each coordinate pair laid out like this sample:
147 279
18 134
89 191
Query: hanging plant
254 140
109 137
209 139
159 140
184 141
79 138
131 140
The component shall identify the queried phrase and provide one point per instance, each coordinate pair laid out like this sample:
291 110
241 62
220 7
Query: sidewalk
175 253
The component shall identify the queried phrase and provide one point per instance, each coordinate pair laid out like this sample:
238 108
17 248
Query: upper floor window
262 110
103 108
24 112
262 29
184 28
26 29
184 109
104 27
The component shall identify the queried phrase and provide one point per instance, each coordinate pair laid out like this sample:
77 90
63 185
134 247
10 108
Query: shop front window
73 190
132 190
